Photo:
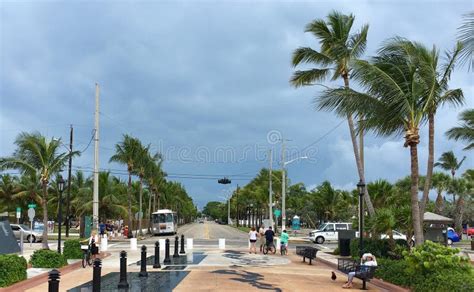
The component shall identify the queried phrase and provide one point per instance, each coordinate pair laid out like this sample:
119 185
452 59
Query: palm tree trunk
129 192
458 214
454 195
158 201
439 203
415 208
140 207
429 167
45 215
360 168
149 213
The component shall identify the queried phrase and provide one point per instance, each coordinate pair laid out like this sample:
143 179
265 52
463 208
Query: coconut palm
395 102
126 153
36 156
458 187
465 131
449 162
466 36
142 160
8 188
338 48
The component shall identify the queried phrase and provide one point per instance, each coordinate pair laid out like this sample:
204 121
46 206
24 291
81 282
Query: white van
328 231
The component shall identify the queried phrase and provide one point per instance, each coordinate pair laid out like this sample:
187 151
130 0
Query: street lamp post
60 211
361 189
283 190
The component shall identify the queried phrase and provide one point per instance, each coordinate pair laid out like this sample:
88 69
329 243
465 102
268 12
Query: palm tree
449 162
8 188
395 103
440 183
142 161
37 156
465 131
458 186
466 36
338 48
126 153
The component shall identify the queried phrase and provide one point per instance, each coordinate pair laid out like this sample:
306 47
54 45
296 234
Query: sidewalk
236 270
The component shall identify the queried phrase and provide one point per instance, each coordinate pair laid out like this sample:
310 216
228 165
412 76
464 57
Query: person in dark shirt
269 234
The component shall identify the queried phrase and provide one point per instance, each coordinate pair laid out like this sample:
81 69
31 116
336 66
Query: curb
43 278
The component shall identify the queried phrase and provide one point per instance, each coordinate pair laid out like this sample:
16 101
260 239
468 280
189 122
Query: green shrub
446 282
45 258
12 269
336 251
72 249
379 248
433 258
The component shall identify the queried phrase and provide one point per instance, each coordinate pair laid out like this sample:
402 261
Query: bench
365 273
307 252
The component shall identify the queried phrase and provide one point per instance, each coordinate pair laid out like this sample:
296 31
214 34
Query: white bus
164 222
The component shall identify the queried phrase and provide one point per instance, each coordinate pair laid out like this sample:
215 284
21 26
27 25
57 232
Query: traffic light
224 181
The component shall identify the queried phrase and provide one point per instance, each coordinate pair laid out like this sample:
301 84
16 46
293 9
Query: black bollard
143 272
123 284
157 265
176 247
167 252
53 282
96 275
182 244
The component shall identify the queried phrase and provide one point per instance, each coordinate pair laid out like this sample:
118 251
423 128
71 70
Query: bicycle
87 255
283 249
269 247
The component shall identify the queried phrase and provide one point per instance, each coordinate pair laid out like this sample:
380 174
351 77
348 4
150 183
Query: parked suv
328 231
27 233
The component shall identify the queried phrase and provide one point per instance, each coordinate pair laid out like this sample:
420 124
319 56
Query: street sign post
18 214
277 212
31 216
32 205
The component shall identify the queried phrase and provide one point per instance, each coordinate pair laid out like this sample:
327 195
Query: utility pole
283 186
95 199
69 183
270 191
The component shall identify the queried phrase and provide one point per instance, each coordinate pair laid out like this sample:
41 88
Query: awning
435 218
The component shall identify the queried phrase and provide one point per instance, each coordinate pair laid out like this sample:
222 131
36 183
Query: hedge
45 258
12 269
378 247
72 249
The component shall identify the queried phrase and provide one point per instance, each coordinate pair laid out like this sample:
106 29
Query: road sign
277 212
18 212
31 213
32 205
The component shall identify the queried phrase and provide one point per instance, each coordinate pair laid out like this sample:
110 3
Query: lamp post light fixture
361 189
60 183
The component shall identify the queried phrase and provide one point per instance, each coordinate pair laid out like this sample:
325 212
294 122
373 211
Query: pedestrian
253 239
102 229
367 260
125 231
261 233
284 240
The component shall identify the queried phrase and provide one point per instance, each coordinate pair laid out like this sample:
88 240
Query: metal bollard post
53 282
176 247
143 272
167 252
96 275
182 244
123 284
157 265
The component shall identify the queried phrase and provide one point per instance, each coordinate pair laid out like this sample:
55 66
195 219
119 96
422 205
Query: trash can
345 237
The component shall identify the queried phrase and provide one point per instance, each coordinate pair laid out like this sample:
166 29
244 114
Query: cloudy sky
204 82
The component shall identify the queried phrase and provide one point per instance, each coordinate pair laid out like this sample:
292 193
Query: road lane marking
206 231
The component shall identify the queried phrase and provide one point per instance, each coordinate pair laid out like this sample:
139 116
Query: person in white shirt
261 234
253 239
368 260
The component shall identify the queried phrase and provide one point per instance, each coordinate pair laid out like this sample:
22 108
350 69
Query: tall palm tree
437 94
37 156
466 36
338 48
126 153
465 131
395 102
458 186
142 160
449 162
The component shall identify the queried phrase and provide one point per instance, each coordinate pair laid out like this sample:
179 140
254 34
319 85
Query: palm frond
308 77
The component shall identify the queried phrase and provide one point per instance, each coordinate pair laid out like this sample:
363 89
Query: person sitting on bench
368 260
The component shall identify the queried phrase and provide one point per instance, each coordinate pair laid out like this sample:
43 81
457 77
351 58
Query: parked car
396 235
27 233
470 231
328 231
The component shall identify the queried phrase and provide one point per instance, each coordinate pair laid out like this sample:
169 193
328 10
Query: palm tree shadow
254 279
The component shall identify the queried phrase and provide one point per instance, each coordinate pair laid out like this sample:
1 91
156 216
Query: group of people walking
265 237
